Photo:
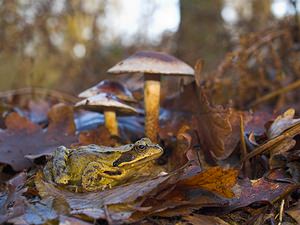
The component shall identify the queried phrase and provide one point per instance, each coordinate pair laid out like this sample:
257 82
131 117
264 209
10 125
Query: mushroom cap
110 87
105 102
152 63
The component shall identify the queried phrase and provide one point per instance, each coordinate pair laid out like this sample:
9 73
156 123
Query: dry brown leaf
61 118
119 202
24 138
99 136
282 123
16 123
218 127
183 144
294 212
216 179
261 190
278 154
271 144
202 219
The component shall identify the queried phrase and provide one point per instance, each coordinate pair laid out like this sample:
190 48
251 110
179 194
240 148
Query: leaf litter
223 162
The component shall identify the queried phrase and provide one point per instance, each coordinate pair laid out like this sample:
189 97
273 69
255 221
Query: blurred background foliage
68 45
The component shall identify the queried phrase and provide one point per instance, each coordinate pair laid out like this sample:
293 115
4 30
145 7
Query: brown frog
93 167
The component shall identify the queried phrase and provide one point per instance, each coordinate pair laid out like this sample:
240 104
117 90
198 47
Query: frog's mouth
131 159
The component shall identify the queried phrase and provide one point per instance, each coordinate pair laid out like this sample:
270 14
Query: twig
273 94
244 151
264 40
281 212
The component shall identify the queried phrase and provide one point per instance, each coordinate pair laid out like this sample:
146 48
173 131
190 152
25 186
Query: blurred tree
201 32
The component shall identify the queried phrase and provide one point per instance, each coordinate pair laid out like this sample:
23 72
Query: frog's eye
141 148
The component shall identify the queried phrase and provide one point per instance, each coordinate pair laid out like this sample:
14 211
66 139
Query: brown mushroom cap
153 63
110 87
105 102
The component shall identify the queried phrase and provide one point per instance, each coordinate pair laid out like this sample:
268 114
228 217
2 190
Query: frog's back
81 157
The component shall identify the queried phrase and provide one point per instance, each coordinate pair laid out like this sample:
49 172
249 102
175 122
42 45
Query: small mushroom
153 65
109 87
110 105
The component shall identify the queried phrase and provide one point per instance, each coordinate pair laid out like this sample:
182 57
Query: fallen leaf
65 220
99 136
216 179
24 138
256 125
176 202
171 122
119 202
38 212
180 148
218 127
13 203
261 190
278 154
282 123
294 212
16 123
61 118
202 219
271 144
198 191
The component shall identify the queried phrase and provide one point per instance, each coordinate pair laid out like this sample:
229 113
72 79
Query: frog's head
142 151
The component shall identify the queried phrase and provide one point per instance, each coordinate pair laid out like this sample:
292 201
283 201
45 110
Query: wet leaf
24 138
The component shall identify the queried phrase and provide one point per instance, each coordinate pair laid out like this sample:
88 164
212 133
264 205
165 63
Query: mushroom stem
152 102
111 122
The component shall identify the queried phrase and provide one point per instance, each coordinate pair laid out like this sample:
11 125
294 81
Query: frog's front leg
59 165
98 176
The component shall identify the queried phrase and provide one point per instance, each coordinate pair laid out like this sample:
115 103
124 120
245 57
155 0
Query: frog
93 167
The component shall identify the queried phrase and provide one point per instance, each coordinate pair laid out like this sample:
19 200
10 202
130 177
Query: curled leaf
282 123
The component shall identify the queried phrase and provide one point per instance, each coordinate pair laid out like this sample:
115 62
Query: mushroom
110 87
153 65
110 105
